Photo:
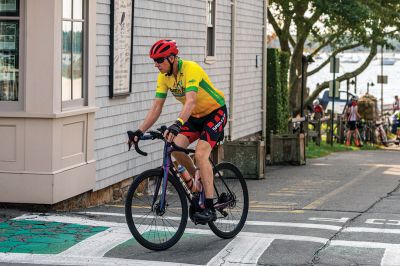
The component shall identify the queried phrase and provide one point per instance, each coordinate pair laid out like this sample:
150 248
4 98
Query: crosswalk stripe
243 250
99 244
391 257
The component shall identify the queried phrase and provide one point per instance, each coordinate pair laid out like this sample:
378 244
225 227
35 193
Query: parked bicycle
156 207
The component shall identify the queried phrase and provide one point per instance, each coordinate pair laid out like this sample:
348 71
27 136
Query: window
73 24
211 27
9 50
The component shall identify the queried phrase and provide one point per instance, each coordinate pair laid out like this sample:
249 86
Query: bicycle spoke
153 227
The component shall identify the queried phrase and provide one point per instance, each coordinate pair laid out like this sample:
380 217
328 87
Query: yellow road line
315 204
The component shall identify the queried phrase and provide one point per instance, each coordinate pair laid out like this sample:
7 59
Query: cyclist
396 104
318 110
203 115
352 117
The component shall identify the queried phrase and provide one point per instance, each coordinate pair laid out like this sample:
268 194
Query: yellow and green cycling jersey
191 77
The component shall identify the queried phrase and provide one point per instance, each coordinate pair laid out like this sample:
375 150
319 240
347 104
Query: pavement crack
316 255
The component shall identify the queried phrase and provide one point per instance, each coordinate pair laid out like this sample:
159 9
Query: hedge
277 91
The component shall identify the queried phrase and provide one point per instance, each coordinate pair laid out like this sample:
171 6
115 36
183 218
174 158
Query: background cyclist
352 117
203 115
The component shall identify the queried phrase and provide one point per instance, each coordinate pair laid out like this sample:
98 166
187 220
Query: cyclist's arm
189 105
153 114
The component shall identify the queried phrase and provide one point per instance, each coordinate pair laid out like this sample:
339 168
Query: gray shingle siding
184 21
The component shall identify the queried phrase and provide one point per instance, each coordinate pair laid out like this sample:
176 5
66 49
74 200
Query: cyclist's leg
348 137
213 126
184 159
203 151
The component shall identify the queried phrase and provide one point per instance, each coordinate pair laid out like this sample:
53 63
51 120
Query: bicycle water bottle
184 173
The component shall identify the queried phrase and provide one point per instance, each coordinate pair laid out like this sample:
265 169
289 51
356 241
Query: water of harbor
368 76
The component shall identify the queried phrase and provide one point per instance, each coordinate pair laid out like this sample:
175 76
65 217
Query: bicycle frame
168 168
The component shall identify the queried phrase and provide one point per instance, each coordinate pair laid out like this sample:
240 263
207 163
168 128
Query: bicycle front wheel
232 203
154 227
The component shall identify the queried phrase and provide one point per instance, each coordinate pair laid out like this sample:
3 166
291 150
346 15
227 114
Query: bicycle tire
151 230
232 224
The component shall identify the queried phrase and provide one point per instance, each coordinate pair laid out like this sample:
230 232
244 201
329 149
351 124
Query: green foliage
284 60
273 90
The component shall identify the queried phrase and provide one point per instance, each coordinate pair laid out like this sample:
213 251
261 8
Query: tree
339 25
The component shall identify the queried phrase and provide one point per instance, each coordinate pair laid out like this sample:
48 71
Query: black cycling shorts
352 125
208 128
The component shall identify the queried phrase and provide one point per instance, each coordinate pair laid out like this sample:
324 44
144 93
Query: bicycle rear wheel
232 203
152 227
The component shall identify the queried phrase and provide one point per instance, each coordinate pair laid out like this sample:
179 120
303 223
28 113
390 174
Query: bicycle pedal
199 222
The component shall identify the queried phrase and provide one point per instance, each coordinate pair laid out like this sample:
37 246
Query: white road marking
334 220
77 260
391 257
86 221
256 223
391 172
372 230
298 225
243 250
99 244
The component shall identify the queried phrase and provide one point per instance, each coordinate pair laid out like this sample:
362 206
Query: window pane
67 9
77 67
9 7
9 67
78 8
210 20
66 61
210 41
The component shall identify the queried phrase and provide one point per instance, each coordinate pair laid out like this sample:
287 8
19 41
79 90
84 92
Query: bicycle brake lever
129 145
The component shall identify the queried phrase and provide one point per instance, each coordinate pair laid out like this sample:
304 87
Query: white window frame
211 58
78 103
11 106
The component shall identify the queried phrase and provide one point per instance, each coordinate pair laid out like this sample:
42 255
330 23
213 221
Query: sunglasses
160 60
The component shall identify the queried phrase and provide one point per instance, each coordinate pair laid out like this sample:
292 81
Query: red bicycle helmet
163 48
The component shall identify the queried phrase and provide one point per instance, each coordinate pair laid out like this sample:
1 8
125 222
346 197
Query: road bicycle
156 207
366 132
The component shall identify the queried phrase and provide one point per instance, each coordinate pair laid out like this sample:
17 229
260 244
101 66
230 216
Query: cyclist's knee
182 141
201 156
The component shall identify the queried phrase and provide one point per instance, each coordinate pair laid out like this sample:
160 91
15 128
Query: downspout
232 77
264 74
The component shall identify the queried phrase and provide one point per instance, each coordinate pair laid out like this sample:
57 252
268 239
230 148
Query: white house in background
75 76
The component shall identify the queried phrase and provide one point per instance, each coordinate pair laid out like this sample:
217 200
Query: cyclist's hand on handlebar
172 131
135 137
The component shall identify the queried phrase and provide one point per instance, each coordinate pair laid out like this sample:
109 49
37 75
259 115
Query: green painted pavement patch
38 237
149 235
152 235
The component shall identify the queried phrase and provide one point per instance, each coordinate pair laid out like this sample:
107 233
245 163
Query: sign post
382 79
334 65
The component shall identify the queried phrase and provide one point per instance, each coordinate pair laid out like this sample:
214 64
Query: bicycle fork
162 182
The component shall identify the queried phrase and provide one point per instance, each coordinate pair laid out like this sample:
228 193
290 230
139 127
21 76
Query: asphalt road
342 209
